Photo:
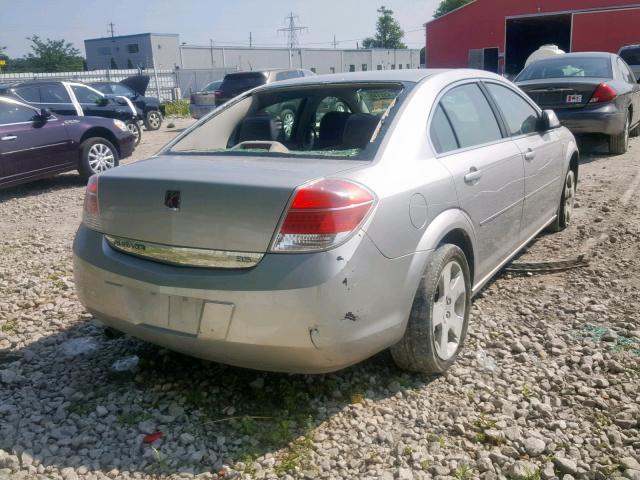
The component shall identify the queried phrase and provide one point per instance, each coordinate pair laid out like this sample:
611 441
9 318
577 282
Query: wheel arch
101 132
452 226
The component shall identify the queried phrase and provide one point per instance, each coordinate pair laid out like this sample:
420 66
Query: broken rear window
330 120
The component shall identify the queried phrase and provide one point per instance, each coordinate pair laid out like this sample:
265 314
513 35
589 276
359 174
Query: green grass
177 108
463 472
9 327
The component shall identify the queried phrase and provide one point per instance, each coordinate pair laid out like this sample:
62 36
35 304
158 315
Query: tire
567 199
153 120
288 118
97 155
619 144
435 313
134 128
635 132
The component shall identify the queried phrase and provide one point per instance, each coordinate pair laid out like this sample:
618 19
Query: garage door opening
526 35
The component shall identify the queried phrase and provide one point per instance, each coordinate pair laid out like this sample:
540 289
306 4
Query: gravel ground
548 385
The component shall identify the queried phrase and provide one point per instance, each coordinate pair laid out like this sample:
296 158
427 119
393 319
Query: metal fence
167 85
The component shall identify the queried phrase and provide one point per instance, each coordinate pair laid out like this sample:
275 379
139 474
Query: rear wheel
134 128
97 155
153 120
619 144
439 316
635 132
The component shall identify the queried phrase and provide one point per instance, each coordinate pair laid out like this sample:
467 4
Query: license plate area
172 312
574 99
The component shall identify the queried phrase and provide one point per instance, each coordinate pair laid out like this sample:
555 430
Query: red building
499 35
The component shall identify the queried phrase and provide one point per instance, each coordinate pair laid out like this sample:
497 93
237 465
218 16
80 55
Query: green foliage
463 472
447 6
48 56
9 327
388 32
177 108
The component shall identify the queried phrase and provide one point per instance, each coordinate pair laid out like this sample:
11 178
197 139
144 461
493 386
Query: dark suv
73 98
631 55
135 88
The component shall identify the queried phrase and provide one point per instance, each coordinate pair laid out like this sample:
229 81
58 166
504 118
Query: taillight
91 211
322 215
604 93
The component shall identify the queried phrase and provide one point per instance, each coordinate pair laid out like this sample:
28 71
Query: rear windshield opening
631 55
341 121
571 67
243 81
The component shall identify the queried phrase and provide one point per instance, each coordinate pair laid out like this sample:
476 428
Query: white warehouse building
164 51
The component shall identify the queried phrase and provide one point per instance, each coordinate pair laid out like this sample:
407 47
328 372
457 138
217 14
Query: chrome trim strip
184 256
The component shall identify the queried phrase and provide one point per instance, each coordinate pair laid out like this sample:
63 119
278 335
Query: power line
292 30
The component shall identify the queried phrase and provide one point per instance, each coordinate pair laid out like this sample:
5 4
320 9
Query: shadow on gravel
75 411
592 148
59 182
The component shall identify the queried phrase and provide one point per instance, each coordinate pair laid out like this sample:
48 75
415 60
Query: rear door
29 145
487 169
56 98
89 100
541 152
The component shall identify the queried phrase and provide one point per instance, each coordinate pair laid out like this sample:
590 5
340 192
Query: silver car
370 224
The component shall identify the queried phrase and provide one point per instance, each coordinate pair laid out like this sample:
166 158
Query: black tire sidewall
85 169
147 123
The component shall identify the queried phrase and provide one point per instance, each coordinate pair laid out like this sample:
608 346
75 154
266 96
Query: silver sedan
369 223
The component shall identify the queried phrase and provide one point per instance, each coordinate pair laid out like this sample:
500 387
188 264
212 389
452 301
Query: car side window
85 95
55 93
441 131
15 114
121 90
520 116
30 93
625 71
471 117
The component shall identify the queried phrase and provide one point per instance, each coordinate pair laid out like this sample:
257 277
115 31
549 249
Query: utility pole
250 40
292 30
111 25
335 44
211 51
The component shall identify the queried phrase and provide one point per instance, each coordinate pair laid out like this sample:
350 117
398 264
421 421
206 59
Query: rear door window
520 116
625 71
85 94
442 136
55 93
30 93
471 117
239 82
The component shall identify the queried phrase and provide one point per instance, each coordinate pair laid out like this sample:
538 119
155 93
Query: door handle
530 154
9 138
473 176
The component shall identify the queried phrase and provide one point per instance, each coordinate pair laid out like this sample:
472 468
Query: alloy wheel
133 128
569 196
287 123
448 313
101 158
154 120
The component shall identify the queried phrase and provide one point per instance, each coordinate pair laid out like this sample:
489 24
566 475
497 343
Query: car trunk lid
230 203
555 94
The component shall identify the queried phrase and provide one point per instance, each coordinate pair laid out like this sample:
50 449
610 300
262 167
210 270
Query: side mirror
102 101
549 120
44 113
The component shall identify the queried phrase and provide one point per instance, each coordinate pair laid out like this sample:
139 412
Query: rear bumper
299 313
199 111
606 119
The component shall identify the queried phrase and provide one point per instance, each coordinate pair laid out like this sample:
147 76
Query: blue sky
226 22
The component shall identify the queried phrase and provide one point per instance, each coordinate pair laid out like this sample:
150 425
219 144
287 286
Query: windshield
564 67
631 55
321 120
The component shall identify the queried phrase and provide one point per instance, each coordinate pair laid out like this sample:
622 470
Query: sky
226 22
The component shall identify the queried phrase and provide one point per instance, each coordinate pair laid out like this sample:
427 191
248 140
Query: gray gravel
548 385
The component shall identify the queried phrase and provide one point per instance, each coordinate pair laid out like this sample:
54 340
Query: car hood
137 83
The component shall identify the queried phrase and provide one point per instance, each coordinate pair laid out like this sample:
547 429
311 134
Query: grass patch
177 108
9 327
463 472
297 456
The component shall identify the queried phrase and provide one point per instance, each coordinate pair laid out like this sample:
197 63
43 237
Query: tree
388 32
423 56
52 56
447 6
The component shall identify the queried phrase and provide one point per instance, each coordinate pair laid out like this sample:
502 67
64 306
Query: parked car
631 55
135 88
591 93
204 101
73 98
35 143
371 230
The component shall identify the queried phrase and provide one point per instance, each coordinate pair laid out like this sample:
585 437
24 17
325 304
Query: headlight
121 125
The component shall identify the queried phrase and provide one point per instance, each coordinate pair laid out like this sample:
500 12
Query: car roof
582 54
411 76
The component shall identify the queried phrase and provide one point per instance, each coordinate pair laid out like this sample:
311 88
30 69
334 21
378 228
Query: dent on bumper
345 312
